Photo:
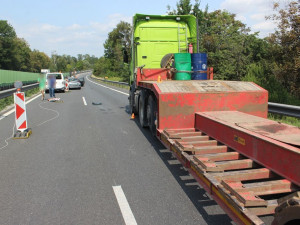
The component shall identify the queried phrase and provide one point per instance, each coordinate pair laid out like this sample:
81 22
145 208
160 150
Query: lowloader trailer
217 129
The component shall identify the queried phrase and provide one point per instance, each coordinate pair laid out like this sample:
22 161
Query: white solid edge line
84 101
13 110
107 87
124 206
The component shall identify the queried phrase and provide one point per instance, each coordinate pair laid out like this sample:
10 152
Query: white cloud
71 39
252 13
241 18
113 19
264 26
258 16
74 27
49 28
245 6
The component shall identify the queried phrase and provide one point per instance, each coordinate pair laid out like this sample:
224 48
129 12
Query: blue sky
80 27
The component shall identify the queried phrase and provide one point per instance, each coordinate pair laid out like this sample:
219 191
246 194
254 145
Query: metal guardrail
282 109
115 82
112 82
9 92
85 73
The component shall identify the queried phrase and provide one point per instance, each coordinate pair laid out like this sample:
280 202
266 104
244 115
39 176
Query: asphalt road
81 158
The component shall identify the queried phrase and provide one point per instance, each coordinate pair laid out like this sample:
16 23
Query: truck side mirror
125 56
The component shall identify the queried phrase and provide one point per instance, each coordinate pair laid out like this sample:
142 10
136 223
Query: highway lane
66 172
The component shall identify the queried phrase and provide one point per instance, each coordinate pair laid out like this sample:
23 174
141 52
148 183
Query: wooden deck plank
219 156
180 135
196 138
252 174
189 145
211 166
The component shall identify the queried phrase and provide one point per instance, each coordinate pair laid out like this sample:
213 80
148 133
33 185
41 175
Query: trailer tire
287 212
142 109
151 114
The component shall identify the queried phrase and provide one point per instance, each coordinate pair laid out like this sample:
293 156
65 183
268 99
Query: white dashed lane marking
124 206
84 101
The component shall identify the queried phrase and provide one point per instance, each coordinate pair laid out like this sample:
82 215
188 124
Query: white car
60 81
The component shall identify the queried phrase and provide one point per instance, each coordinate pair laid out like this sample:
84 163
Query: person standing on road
42 84
52 82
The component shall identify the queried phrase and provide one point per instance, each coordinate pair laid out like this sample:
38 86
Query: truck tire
131 99
142 109
166 59
151 114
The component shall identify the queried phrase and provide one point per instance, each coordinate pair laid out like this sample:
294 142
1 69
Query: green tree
21 55
39 60
286 45
7 42
227 42
102 67
116 44
61 63
67 63
184 7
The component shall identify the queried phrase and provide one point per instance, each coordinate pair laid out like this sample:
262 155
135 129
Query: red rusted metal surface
277 156
210 73
179 100
272 129
152 74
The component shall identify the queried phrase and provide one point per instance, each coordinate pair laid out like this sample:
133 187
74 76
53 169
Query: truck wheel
151 114
142 108
166 60
131 99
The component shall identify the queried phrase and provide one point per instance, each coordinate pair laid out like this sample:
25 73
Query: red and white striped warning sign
20 111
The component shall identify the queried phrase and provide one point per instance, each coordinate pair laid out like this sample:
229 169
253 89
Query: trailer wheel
142 109
288 210
151 114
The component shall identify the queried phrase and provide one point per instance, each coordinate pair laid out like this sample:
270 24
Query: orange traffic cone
132 116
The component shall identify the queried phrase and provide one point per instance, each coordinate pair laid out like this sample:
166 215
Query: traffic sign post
20 114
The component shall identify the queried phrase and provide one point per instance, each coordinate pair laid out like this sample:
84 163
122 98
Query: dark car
82 81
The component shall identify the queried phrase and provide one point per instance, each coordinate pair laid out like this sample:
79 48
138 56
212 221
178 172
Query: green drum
183 63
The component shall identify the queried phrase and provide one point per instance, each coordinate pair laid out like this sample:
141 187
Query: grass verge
285 119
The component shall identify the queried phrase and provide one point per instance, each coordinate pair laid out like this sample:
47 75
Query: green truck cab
155 36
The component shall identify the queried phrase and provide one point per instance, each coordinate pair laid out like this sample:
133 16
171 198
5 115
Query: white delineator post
20 111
